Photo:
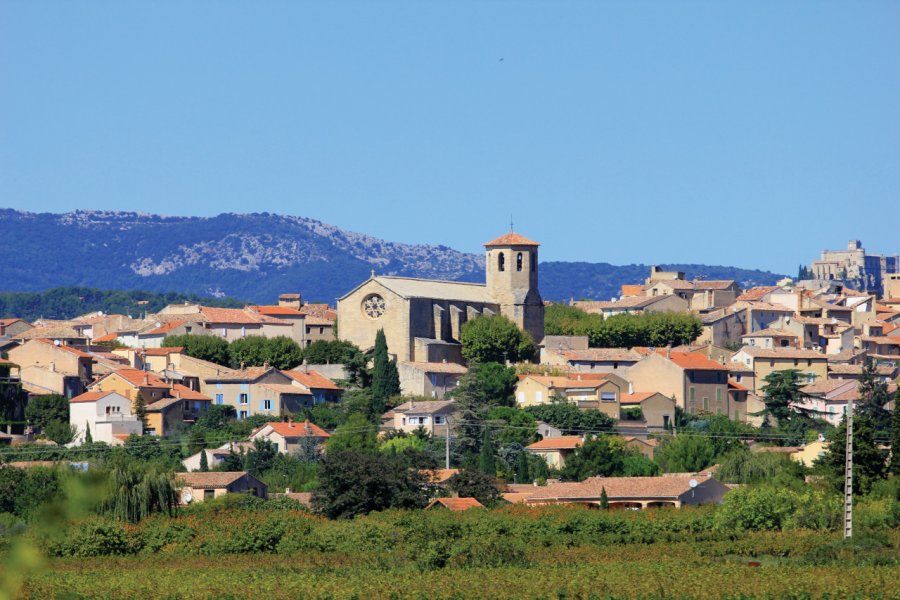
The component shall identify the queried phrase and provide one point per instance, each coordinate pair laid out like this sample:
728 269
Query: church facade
422 318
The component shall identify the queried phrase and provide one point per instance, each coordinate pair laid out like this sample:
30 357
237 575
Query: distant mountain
257 256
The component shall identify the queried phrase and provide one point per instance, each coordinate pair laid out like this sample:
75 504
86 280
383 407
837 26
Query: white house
106 414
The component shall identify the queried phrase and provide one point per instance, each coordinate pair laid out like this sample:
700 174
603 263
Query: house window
771 362
538 397
608 396
220 398
796 362
224 332
243 399
706 403
519 261
438 419
267 405
308 329
321 330
520 397
209 494
501 262
243 415
693 394
243 332
718 394
738 377
275 445
403 421
808 362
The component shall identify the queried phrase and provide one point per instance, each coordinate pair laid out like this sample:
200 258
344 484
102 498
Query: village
413 342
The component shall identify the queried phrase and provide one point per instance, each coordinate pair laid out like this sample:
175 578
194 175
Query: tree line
623 330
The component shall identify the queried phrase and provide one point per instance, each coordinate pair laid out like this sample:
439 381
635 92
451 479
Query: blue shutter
262 405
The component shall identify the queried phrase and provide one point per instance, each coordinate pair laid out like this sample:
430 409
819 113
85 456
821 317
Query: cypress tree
522 468
604 499
895 436
486 462
88 438
204 462
385 377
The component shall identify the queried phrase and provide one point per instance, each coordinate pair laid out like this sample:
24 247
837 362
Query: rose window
373 306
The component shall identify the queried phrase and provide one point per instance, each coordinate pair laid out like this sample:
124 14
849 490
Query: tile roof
826 386
619 488
511 239
455 504
757 293
276 310
139 378
438 367
563 442
408 287
704 284
163 403
602 354
237 316
311 379
294 429
89 397
186 393
766 306
6 322
692 361
165 350
636 397
733 384
569 381
783 353
285 388
65 348
212 479
164 328
438 475
53 332
427 407
109 337
248 374
317 321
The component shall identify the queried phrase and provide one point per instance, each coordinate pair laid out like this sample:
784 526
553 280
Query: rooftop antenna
511 223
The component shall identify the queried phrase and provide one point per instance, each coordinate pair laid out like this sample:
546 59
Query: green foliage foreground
515 552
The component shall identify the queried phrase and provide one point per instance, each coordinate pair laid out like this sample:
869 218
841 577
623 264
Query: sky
752 134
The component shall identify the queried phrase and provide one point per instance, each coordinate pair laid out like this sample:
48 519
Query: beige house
760 315
880 348
131 383
554 450
289 437
13 327
722 327
697 383
709 294
592 360
657 410
430 380
635 305
54 368
432 415
258 391
416 312
199 486
813 366
771 338
597 391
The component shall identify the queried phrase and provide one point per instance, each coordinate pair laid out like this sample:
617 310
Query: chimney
630 387
147 379
291 422
265 364
53 366
305 366
242 365
287 490
669 351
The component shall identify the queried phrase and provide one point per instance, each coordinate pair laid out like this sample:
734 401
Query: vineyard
561 552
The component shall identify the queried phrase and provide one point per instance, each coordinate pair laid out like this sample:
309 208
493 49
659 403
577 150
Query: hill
257 256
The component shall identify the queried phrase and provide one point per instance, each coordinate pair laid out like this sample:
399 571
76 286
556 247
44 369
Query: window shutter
262 405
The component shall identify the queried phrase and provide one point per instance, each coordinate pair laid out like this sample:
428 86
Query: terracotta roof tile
296 429
511 239
90 397
312 379
209 480
757 293
563 442
455 504
636 397
438 367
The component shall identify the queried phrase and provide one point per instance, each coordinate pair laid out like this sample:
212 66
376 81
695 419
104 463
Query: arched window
519 260
501 262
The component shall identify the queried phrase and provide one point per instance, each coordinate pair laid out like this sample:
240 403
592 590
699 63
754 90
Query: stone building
866 272
422 318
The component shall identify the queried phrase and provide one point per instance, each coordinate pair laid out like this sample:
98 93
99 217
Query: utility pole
447 442
848 475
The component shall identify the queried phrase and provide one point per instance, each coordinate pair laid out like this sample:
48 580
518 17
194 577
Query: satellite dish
99 313
56 342
186 496
692 483
158 324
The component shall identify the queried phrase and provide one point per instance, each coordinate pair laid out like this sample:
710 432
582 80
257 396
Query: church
422 318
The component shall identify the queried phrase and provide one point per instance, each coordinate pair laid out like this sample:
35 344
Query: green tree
88 438
495 339
571 420
251 351
498 382
204 462
337 352
283 353
472 483
140 410
357 433
604 499
513 426
602 456
400 444
136 492
468 423
636 464
354 482
385 378
895 436
873 396
522 472
685 454
486 460
782 398
260 457
868 461
218 417
60 432
745 467
211 348
626 330
43 410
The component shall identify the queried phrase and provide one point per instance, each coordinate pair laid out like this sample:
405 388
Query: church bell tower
511 269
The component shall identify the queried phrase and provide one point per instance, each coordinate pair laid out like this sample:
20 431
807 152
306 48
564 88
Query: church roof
408 287
512 239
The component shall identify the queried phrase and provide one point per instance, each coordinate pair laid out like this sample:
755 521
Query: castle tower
511 268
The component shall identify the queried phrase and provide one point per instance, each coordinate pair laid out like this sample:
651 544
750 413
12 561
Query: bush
95 537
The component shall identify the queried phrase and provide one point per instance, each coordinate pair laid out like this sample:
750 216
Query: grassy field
622 572
506 553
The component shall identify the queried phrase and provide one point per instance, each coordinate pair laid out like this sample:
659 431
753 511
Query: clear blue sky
753 134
